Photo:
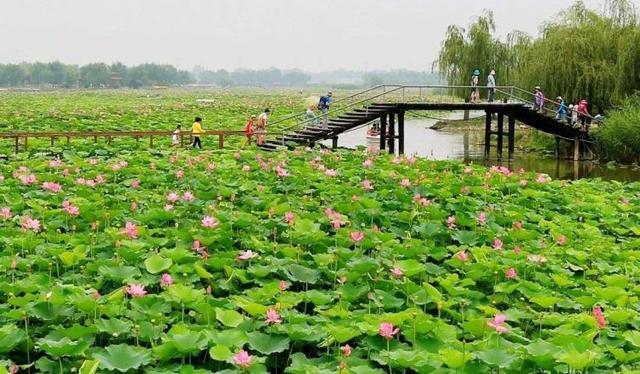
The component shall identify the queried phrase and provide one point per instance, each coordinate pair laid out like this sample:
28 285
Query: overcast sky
314 35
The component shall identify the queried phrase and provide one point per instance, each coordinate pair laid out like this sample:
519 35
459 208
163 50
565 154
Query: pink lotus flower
482 218
246 168
135 183
336 223
397 272
196 246
405 183
330 173
517 225
517 249
29 223
93 161
247 255
367 185
346 350
511 273
242 359
136 290
451 222
131 230
236 155
211 166
179 174
134 207
55 163
289 218
209 222
367 163
387 331
173 197
462 256
168 207
166 280
100 179
70 208
542 178
357 236
523 182
396 160
468 170
273 317
281 172
283 285
28 179
562 240
497 244
91 183
5 213
497 323
597 313
188 196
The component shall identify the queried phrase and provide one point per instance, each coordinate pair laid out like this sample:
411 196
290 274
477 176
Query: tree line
96 75
582 53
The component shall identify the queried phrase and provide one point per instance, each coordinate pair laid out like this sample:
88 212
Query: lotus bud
115 335
74 369
184 275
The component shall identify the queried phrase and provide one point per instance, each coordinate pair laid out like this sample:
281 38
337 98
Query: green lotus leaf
122 357
229 318
157 264
10 337
303 274
64 347
220 353
268 343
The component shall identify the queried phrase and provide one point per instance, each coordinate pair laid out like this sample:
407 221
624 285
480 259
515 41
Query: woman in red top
583 113
248 128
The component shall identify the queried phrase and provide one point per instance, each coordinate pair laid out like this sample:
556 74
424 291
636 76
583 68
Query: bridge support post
576 149
401 132
512 136
383 131
334 142
557 150
500 133
487 135
466 111
392 132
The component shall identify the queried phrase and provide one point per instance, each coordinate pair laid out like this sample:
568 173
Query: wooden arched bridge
389 104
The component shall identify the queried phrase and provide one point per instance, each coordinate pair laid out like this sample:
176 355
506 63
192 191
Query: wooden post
392 132
109 139
512 136
576 149
487 135
466 111
500 133
401 132
26 142
150 141
334 142
17 144
52 141
220 141
68 140
182 140
95 138
557 148
383 131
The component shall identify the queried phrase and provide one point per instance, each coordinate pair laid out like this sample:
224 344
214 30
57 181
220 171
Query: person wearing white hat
491 85
561 112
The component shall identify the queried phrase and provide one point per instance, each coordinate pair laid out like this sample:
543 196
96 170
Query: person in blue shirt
561 112
323 106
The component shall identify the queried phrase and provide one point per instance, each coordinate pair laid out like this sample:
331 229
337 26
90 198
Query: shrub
619 138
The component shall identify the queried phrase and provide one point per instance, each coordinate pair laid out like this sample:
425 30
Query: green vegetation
301 260
619 139
580 54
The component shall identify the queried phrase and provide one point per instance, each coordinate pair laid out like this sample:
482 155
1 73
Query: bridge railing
381 94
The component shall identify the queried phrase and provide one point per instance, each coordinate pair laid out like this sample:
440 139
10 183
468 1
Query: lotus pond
312 262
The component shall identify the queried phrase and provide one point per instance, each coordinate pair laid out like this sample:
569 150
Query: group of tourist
573 115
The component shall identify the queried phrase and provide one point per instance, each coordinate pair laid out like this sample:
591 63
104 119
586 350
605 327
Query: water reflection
467 145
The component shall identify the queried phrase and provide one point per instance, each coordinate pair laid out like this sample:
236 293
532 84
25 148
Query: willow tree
465 50
579 54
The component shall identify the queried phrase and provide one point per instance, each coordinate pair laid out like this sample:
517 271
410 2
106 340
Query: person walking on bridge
561 112
583 115
539 99
323 106
196 131
475 91
491 84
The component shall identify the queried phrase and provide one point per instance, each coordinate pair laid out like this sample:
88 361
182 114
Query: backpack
322 104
